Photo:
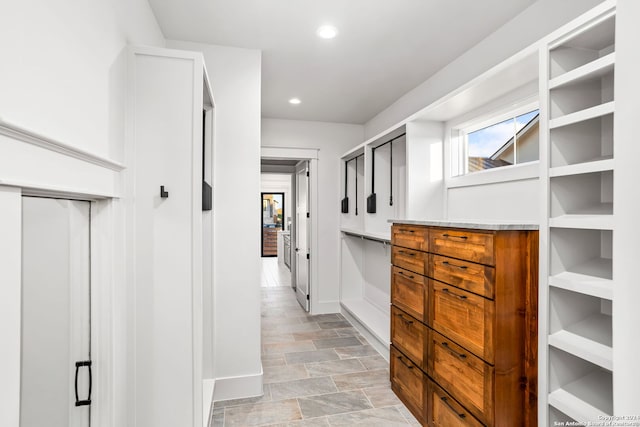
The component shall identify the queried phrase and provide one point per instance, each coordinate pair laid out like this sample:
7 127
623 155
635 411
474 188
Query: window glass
509 142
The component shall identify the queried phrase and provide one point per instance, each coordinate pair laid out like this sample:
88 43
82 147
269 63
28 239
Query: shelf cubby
580 261
582 201
581 325
578 388
582 47
581 95
582 142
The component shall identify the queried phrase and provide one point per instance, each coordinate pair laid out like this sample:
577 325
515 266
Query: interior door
56 329
302 234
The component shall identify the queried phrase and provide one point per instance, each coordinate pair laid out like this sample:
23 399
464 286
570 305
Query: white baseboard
238 387
208 386
380 347
326 307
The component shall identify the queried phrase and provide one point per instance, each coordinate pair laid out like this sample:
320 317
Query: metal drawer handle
460 355
461 267
403 362
408 322
407 275
87 401
446 236
407 253
446 402
455 295
402 230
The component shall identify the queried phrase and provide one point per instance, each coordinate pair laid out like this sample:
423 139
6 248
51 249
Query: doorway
298 167
273 216
56 313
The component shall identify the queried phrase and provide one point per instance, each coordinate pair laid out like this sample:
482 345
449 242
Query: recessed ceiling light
327 32
295 101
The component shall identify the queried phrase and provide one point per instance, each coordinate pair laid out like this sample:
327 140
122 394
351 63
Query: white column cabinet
578 227
168 92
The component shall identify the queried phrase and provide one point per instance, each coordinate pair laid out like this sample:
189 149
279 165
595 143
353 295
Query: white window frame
458 148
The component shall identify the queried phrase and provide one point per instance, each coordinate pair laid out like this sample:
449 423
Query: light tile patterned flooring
318 371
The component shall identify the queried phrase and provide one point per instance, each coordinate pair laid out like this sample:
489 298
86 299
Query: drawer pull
407 253
446 402
455 295
410 276
452 351
446 236
402 230
461 267
408 322
408 366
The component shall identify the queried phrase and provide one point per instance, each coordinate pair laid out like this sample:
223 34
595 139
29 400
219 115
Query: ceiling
384 47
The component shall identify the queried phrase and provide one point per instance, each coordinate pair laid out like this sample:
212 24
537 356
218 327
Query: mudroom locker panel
56 328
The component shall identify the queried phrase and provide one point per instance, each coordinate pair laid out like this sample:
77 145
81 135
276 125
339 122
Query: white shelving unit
577 229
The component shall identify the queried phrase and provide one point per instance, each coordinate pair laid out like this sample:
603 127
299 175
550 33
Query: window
500 143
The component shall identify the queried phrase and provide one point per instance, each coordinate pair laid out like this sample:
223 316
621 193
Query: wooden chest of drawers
464 325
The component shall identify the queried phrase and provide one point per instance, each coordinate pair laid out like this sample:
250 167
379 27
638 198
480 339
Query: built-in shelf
378 237
583 115
594 69
589 339
587 222
371 318
590 278
601 164
585 399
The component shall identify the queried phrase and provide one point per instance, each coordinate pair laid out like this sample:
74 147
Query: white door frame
310 154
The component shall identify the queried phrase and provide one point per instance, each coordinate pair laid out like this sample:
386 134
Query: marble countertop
470 224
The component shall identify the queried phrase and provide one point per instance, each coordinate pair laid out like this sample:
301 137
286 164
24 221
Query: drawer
409 259
410 236
444 411
463 317
409 336
476 278
466 377
409 383
463 244
408 292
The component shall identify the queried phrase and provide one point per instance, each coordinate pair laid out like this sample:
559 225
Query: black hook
163 194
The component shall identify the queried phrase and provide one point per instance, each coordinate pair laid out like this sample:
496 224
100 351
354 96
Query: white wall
63 68
532 24
235 79
332 140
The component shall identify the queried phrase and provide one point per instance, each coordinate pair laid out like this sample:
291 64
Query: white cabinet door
302 234
55 312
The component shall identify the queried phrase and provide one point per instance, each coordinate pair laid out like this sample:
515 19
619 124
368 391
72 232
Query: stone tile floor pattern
318 371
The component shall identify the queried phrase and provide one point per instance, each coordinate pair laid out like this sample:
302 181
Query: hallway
318 371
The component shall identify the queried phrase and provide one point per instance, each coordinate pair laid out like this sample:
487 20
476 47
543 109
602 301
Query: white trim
43 190
289 153
239 387
208 388
326 307
364 331
19 133
529 170
103 235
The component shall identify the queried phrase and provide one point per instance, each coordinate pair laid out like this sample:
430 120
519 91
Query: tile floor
318 371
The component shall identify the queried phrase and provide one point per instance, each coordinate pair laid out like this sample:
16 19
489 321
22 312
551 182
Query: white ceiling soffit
384 47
